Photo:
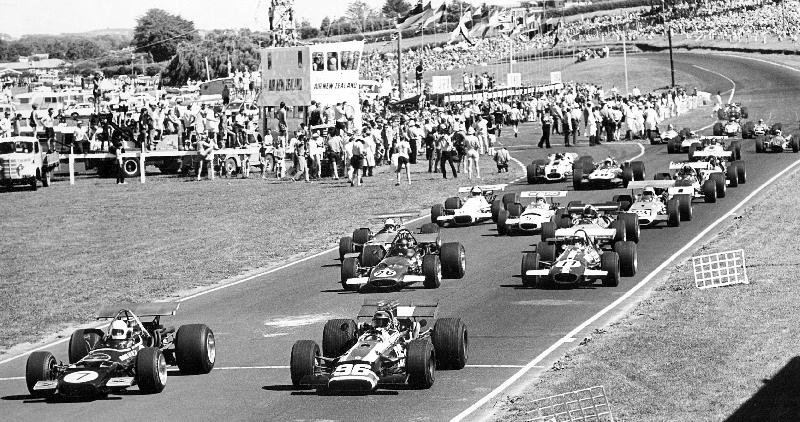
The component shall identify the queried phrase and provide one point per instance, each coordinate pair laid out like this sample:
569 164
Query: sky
22 17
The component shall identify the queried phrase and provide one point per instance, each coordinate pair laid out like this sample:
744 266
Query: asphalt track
256 322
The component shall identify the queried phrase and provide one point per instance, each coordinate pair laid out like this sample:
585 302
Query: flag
557 32
414 16
461 29
435 16
480 22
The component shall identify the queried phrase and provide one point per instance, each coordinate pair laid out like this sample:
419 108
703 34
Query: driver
540 203
589 252
687 173
588 215
382 321
778 139
119 334
389 225
609 163
476 191
670 133
761 128
732 126
648 195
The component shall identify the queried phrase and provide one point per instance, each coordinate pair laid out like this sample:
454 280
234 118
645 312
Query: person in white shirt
315 152
5 126
403 150
482 131
515 115
472 146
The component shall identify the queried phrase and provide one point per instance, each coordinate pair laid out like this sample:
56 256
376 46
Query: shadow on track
311 391
776 400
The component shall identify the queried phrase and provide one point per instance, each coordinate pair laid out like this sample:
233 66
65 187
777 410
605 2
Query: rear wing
605 207
139 309
409 310
570 233
713 138
427 237
656 184
543 194
720 154
697 165
467 189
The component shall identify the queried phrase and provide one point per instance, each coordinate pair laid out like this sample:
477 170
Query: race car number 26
359 369
385 272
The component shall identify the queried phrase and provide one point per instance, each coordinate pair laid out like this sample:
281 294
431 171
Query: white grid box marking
719 269
589 404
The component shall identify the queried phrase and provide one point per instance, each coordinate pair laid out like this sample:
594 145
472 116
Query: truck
24 162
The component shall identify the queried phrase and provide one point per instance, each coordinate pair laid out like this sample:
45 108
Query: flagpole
625 59
400 63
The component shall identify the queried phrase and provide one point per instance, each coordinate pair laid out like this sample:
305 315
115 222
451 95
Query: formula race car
605 223
729 129
776 142
479 204
578 259
714 146
555 168
653 202
607 173
704 179
389 344
735 110
364 237
130 352
406 261
685 140
528 219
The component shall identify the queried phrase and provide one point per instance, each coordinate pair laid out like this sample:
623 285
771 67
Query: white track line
567 338
733 88
12 378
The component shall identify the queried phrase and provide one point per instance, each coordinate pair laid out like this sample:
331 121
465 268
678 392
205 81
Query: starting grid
719 269
589 404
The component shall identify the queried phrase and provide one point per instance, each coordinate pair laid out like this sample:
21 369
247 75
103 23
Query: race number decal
80 376
385 272
359 369
567 264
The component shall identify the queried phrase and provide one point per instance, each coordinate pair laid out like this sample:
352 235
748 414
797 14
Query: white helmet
119 330
476 191
389 222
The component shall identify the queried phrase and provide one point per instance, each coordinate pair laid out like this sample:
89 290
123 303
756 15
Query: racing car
653 202
729 129
607 173
776 142
734 110
364 237
703 179
684 141
130 352
605 223
479 204
555 168
517 218
388 343
578 259
406 261
714 146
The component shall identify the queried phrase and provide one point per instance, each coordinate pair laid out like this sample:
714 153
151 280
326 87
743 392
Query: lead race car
388 344
555 168
605 223
408 259
714 146
516 218
130 352
480 204
654 202
608 173
364 238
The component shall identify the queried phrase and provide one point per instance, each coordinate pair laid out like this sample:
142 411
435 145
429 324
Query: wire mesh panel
719 269
589 404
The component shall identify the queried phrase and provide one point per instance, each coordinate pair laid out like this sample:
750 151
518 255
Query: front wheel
451 343
303 361
530 261
39 367
195 349
454 260
151 370
432 270
421 363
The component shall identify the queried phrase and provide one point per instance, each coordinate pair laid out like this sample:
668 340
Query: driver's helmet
648 194
476 191
579 241
732 119
686 171
761 121
608 162
381 319
119 330
559 156
389 224
712 161
541 201
589 211
777 132
402 244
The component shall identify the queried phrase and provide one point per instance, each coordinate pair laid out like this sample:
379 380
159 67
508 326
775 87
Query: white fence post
141 165
71 161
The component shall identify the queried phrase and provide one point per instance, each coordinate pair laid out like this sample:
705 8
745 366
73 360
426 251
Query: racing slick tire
685 206
515 209
429 228
452 203
437 210
760 143
692 149
743 112
673 146
338 336
748 129
710 191
421 363
736 150
741 172
721 114
349 270
632 228
587 163
546 251
628 258
510 198
346 246
548 231
624 201
795 145
662 176
453 259
530 172
627 176
372 255
684 133
39 368
451 343
303 360
638 170
719 182
731 174
432 270
718 129
609 262
673 213
502 217
82 342
577 176
530 261
362 236
195 349
151 370
621 234
497 205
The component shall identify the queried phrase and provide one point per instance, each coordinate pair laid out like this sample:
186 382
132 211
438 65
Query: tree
395 8
358 12
159 33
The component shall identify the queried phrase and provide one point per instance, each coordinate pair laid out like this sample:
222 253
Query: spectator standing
49 132
547 122
482 131
356 162
335 147
515 115
575 120
119 149
5 125
447 155
403 150
369 151
473 146
301 158
315 150
206 149
501 158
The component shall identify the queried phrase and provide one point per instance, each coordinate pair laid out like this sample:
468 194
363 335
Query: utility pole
668 33
400 63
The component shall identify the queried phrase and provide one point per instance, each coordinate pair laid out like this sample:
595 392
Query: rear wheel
515 210
760 143
671 146
628 259
627 176
420 363
338 336
685 206
502 228
794 145
741 172
621 233
346 246
195 349
719 182
530 261
372 255
510 198
718 129
453 259
548 231
429 228
530 171
632 229
151 370
82 342
577 176
673 214
437 211
638 170
546 251
451 343
497 206
432 270
710 191
731 175
39 367
609 262
452 203
303 361
362 236
349 270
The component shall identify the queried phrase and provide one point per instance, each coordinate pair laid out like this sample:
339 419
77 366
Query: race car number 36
359 369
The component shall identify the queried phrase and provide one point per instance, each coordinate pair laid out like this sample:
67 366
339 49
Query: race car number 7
359 369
